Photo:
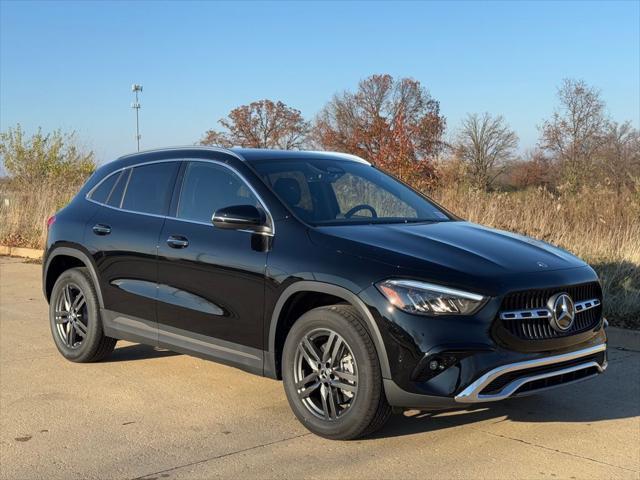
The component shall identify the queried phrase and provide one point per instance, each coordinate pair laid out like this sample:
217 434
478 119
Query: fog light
441 360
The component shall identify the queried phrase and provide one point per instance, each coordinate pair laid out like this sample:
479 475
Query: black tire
94 346
368 409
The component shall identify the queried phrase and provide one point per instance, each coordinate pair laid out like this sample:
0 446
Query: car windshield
344 192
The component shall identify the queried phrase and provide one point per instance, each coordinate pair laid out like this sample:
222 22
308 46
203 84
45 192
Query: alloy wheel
71 316
325 374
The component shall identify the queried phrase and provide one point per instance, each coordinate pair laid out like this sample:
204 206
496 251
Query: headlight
429 299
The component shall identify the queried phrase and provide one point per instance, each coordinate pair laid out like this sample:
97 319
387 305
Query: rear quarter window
103 190
115 198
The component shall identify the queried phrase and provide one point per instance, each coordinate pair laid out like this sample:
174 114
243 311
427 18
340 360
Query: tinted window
150 187
101 194
335 192
293 185
353 190
115 199
206 187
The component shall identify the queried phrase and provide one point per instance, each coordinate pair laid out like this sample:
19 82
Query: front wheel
332 375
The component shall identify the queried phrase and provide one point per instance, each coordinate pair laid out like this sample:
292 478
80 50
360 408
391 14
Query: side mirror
240 217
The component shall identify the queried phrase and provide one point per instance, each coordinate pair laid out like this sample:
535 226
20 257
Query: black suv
316 268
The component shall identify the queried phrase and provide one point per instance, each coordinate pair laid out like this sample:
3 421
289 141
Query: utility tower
136 88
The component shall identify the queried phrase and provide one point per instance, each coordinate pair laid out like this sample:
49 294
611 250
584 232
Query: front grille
539 328
502 381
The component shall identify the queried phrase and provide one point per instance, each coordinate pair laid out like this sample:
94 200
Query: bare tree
485 144
576 131
395 124
620 160
261 124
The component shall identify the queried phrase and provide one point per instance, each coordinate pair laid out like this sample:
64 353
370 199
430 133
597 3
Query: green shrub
53 157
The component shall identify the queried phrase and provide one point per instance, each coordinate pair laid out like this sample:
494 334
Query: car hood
454 245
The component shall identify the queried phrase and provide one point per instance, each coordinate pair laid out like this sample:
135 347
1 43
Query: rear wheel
74 316
332 376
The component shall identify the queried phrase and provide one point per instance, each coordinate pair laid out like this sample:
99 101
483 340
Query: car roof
240 154
250 154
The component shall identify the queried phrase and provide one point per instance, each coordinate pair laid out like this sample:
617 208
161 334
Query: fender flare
336 291
80 255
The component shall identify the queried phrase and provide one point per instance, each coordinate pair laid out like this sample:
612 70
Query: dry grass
601 227
23 221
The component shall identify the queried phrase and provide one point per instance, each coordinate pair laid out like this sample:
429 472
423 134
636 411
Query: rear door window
149 188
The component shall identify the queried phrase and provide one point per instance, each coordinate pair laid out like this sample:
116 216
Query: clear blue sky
70 65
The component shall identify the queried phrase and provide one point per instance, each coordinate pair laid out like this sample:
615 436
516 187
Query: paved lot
156 414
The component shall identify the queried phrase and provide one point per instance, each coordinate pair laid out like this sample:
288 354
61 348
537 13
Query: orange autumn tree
395 124
261 124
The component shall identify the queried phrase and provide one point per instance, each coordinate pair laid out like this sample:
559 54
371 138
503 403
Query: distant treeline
397 125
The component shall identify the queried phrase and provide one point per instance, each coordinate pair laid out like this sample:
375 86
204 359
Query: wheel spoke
331 400
78 302
80 328
62 316
349 377
71 335
310 352
325 406
327 347
66 295
312 363
335 354
312 376
309 390
343 386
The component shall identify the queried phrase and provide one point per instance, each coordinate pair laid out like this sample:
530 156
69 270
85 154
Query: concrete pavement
158 415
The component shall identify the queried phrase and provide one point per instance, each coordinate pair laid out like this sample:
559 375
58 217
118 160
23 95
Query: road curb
21 252
623 338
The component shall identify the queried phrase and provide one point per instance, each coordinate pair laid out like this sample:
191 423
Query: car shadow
136 351
607 397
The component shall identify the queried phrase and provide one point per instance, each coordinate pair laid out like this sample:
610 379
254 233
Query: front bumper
445 362
514 379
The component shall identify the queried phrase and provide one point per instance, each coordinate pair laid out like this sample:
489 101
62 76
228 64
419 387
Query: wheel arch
278 317
63 258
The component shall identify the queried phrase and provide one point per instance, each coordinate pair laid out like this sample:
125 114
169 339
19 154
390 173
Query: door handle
177 241
101 229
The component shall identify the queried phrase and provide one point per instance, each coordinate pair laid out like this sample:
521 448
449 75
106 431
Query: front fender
330 289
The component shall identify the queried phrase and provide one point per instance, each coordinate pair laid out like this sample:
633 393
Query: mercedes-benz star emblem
563 312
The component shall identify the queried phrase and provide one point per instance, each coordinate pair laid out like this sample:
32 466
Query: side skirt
133 329
182 341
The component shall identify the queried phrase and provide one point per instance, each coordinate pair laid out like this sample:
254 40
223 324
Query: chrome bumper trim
471 394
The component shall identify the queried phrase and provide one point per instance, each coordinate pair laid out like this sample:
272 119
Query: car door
210 280
123 238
